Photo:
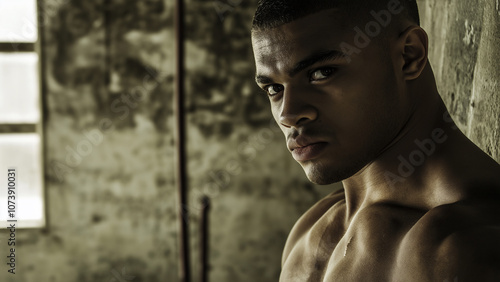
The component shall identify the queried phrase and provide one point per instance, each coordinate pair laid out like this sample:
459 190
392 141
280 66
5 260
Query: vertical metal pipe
184 262
205 203
42 77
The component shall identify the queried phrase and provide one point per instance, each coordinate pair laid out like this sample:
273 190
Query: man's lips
308 152
304 148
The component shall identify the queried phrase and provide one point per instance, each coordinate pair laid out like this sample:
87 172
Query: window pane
18 21
23 152
19 102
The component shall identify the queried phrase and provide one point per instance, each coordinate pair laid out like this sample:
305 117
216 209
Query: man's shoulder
469 213
461 240
311 217
320 208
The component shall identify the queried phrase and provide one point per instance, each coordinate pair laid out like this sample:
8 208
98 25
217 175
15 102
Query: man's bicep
471 255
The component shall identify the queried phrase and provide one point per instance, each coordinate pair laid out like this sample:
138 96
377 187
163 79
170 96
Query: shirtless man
351 88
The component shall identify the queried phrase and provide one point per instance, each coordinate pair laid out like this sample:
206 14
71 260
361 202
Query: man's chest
366 251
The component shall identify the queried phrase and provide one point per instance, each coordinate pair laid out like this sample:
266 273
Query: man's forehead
283 46
271 54
271 46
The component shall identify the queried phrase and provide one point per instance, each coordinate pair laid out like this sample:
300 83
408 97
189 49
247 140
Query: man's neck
415 169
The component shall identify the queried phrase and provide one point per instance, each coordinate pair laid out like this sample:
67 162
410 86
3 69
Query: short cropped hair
273 13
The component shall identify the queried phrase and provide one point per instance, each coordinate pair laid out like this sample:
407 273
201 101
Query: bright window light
18 21
22 152
19 90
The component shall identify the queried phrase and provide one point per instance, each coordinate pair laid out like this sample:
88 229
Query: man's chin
321 179
324 175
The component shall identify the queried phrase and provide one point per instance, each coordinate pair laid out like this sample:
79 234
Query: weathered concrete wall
109 179
464 51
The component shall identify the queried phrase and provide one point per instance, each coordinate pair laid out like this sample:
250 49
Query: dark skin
353 118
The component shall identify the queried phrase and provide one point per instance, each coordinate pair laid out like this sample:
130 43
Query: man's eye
273 89
321 74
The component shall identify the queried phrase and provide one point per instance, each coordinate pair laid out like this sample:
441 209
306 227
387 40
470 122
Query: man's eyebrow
314 58
310 60
260 79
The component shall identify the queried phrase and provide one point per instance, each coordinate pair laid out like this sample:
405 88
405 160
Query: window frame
36 128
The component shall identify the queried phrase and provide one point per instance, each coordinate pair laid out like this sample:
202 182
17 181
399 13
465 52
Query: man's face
337 113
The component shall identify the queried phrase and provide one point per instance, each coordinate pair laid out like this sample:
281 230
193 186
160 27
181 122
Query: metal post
184 263
205 203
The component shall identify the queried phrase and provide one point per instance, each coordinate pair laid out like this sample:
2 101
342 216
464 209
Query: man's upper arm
470 255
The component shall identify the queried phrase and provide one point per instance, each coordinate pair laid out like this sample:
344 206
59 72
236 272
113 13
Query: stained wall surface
464 51
109 166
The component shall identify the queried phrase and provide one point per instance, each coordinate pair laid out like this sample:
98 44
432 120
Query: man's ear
414 44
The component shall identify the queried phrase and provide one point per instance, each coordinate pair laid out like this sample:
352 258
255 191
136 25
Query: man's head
339 77
273 13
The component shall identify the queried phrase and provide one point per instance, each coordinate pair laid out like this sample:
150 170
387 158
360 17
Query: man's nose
296 109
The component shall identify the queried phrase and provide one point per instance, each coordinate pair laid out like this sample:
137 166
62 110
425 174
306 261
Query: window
20 114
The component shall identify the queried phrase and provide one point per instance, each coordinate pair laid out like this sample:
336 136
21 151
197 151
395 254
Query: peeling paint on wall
470 37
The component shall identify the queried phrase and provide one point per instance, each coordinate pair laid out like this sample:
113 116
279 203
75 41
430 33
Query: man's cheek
274 125
276 116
